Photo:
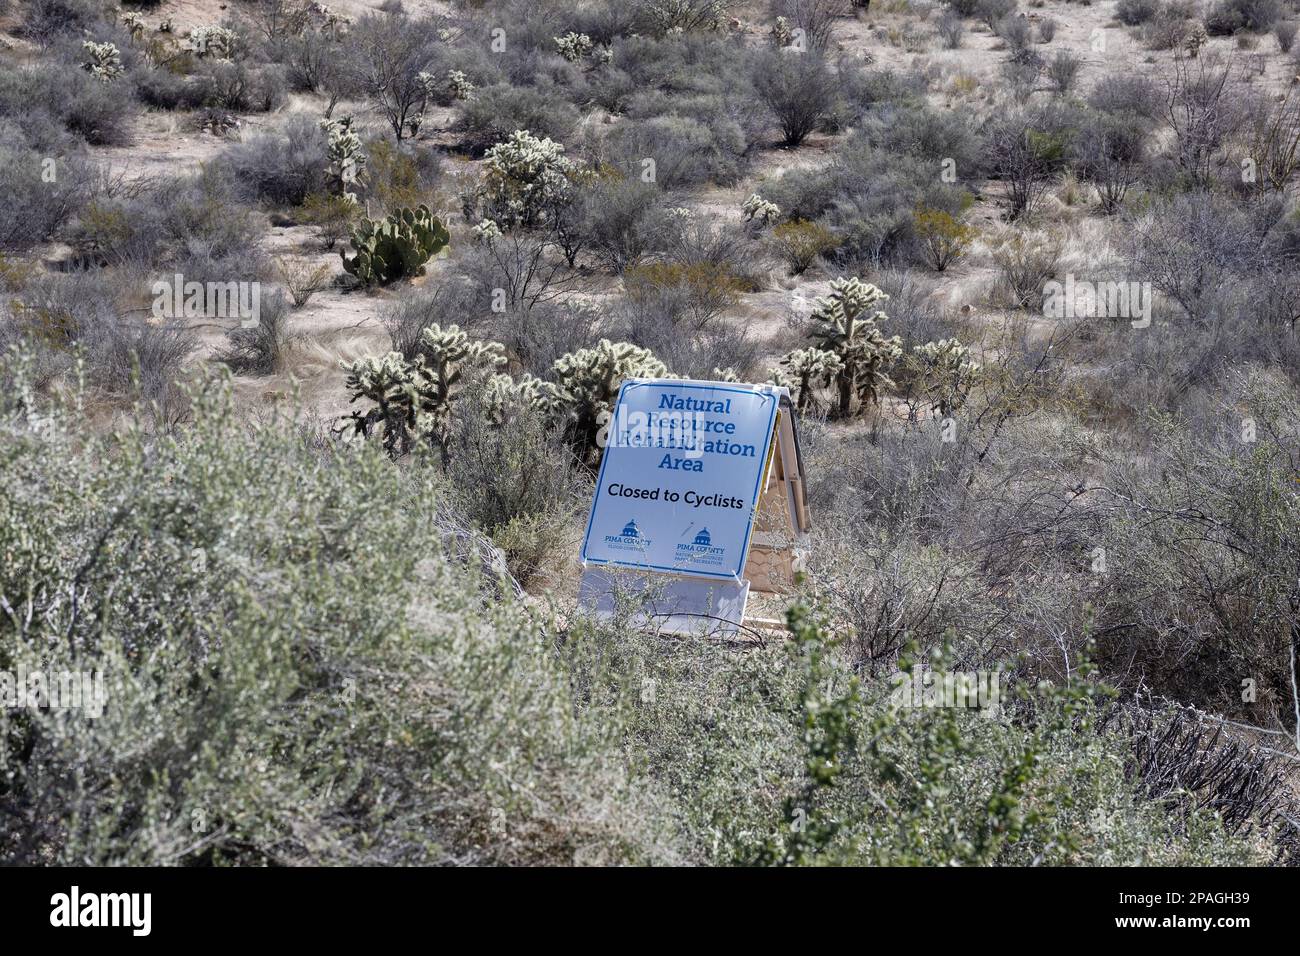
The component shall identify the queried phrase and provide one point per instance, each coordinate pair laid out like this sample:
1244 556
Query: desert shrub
1196 250
1017 34
798 89
1026 148
339 623
861 89
389 57
913 310
494 112
1063 70
239 87
49 20
316 61
1025 264
816 18
1285 32
686 152
658 323
188 223
515 271
940 138
866 197
260 348
165 90
332 215
1203 111
1134 13
37 98
951 31
692 241
691 295
517 481
281 168
993 11
800 243
397 175
1174 26
301 279
625 222
78 317
1228 582
1111 154
34 206
678 16
1127 94
1046 30
537 337
1229 16
447 303
944 237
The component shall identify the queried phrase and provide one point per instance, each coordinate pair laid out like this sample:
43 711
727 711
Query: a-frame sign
700 499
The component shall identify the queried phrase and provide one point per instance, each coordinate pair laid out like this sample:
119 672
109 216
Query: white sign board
682 472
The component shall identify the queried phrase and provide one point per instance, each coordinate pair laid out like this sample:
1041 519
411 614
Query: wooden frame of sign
681 602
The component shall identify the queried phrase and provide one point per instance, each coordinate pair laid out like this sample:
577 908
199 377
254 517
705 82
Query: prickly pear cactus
396 248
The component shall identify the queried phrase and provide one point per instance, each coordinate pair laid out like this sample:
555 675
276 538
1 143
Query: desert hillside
313 315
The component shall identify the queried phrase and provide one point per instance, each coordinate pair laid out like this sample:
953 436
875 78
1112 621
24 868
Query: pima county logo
629 539
701 550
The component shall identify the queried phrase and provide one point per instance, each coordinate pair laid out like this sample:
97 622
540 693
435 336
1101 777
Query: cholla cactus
346 160
585 385
216 43
500 398
573 46
134 24
727 374
486 231
804 370
846 325
454 361
503 397
1197 37
415 401
459 85
603 56
781 34
758 209
387 384
103 61
944 373
332 24
523 177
